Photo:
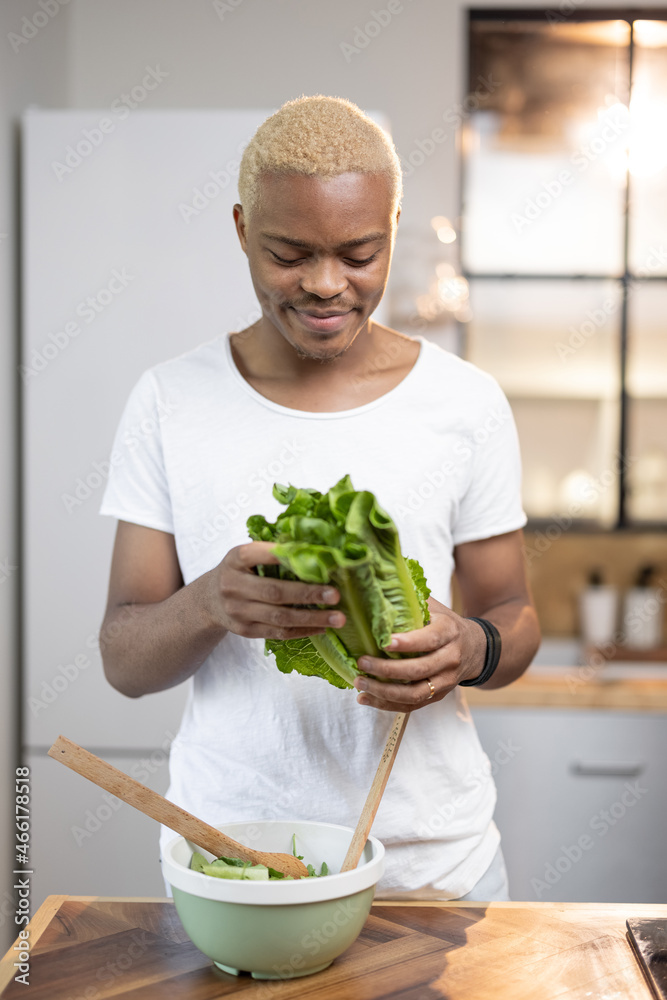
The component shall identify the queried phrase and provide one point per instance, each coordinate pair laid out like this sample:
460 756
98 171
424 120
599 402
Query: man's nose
324 278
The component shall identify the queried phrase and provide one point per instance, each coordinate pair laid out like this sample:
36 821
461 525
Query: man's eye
286 260
354 261
366 260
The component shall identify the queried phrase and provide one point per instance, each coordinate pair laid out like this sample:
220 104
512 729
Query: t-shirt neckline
326 415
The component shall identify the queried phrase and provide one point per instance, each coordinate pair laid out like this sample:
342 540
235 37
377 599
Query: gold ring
431 688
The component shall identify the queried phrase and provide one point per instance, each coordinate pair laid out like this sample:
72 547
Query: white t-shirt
197 451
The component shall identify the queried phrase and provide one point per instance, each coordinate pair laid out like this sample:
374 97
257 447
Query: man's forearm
519 630
152 647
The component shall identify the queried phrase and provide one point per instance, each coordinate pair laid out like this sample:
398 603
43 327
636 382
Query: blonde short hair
320 136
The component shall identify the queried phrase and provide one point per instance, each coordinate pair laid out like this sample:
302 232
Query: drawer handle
604 769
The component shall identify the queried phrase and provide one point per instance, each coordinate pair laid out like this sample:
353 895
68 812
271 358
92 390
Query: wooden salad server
157 807
365 823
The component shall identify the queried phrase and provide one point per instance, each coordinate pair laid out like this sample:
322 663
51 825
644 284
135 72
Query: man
316 389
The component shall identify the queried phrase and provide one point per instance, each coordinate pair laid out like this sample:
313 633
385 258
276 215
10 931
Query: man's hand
157 632
492 581
449 649
263 607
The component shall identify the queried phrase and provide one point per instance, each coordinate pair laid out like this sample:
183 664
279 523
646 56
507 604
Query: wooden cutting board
92 948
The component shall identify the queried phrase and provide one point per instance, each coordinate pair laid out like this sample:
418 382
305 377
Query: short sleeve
137 489
491 504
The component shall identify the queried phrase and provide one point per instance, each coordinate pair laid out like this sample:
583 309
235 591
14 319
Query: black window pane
545 150
554 348
647 389
648 150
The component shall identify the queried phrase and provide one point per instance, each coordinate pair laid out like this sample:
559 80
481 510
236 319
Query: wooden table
91 948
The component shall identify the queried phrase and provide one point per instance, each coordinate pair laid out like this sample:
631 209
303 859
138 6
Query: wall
411 70
32 71
259 53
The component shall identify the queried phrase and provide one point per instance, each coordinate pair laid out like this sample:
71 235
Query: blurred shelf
624 654
590 527
631 688
536 393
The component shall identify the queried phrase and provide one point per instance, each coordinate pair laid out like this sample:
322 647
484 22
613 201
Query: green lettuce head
344 538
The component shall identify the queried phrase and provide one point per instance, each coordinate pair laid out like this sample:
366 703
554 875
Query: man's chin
321 354
322 346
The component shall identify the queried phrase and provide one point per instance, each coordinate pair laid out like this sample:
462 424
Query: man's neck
374 363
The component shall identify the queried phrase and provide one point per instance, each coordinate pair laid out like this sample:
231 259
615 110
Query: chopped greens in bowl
237 869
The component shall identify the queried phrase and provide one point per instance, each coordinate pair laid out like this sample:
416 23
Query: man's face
319 251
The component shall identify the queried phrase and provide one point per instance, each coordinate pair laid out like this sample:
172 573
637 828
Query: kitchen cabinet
582 808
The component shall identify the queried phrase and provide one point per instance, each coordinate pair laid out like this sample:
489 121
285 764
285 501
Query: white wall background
247 53
34 74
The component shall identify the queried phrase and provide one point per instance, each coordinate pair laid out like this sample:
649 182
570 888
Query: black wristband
493 650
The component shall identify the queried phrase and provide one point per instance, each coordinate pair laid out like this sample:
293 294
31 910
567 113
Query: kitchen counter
91 948
620 686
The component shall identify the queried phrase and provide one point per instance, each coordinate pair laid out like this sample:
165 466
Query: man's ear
239 222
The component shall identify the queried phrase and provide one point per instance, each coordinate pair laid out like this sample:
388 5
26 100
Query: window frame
626 280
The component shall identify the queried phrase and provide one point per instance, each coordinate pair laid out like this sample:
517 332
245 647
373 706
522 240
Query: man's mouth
332 320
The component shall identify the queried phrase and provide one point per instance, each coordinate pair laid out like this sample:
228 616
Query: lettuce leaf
344 538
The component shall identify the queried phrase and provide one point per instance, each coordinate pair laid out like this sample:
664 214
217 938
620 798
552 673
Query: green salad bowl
276 929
